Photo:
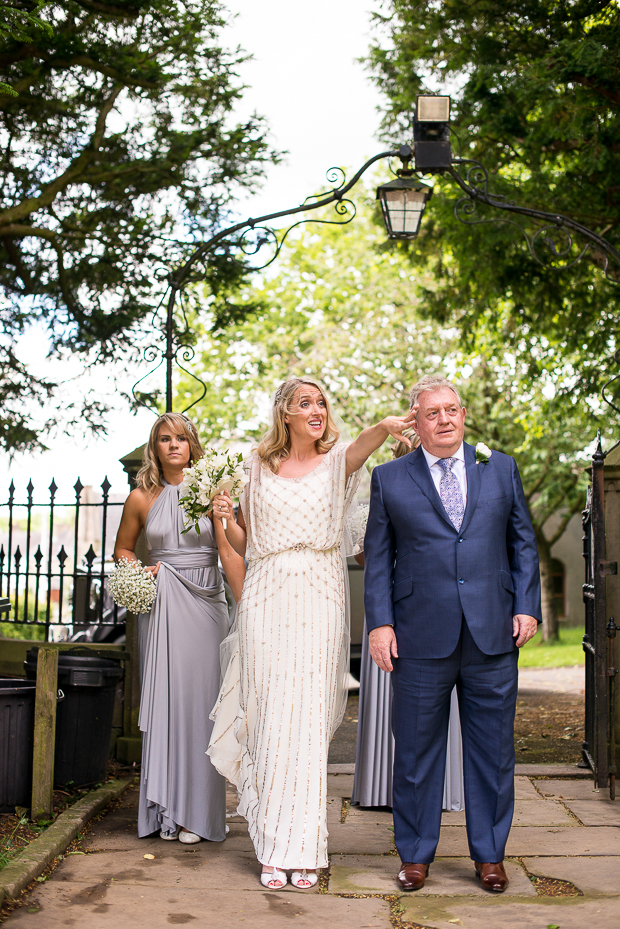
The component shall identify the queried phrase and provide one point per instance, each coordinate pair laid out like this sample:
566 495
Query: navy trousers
487 691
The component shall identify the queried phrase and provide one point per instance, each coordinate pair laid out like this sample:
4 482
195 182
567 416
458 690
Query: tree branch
92 65
72 173
559 532
122 12
16 259
591 84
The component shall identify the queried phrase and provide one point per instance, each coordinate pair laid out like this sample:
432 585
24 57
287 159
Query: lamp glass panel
405 221
395 196
433 109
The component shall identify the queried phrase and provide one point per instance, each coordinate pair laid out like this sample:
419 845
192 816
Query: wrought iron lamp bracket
561 235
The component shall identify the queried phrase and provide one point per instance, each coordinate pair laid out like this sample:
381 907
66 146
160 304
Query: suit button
461 540
461 581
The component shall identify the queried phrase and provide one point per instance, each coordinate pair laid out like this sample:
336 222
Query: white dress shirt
458 469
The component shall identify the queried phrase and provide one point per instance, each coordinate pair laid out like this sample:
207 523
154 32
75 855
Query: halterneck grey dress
179 643
374 760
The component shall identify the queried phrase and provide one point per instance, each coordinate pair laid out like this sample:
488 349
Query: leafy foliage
118 154
536 88
19 22
344 309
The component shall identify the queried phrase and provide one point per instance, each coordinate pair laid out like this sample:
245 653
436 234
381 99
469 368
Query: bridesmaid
181 794
374 757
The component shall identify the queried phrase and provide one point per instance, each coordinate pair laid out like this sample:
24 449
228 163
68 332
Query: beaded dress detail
284 689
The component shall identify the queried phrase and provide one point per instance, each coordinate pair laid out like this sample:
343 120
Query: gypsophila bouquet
132 586
359 521
213 474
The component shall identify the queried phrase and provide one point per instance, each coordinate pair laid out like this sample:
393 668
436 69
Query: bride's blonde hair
275 445
150 474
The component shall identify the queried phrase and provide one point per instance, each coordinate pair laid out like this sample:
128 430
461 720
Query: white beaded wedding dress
284 690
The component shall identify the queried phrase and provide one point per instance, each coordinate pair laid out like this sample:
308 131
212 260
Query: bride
283 694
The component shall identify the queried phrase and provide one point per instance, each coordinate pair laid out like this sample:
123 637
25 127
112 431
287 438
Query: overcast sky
321 108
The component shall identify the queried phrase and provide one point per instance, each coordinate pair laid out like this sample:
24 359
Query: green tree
346 310
119 151
20 22
535 87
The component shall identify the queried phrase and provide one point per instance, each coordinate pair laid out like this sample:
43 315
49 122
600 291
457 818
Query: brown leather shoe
412 876
492 875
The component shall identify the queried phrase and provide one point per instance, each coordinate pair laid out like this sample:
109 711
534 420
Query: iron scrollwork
559 234
254 235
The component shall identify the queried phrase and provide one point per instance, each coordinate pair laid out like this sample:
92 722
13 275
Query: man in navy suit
452 591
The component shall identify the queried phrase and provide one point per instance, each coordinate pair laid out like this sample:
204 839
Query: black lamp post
403 201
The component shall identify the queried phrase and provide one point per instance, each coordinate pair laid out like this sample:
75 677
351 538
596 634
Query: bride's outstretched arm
369 440
235 531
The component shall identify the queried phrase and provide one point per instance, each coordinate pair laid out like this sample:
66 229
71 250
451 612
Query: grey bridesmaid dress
374 760
179 644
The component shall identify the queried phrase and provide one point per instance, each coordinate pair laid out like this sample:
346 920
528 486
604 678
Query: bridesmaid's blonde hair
275 445
401 448
150 474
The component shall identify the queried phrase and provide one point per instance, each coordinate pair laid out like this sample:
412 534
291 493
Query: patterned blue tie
450 493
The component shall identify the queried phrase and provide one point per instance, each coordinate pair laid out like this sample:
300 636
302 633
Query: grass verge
566 652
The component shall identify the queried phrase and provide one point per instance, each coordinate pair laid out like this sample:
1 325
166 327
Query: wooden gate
599 752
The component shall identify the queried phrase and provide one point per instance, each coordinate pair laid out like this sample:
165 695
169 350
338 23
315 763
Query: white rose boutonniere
483 453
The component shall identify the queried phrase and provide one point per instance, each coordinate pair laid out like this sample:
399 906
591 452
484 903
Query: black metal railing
49 586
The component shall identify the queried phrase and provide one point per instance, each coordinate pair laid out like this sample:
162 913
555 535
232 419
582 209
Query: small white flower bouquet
132 586
359 521
356 527
213 474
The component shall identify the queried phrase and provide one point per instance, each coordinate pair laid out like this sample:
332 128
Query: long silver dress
374 759
179 644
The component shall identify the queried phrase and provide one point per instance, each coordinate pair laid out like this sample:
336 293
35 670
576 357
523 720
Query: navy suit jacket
422 576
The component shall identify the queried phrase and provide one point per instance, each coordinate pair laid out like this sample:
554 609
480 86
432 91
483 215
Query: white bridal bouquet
213 474
131 585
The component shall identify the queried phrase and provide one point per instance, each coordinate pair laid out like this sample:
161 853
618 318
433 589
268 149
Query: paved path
558 680
563 830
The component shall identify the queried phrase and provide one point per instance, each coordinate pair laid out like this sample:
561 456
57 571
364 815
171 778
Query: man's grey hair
430 382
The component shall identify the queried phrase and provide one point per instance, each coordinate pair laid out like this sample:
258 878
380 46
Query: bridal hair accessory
211 475
131 585
483 453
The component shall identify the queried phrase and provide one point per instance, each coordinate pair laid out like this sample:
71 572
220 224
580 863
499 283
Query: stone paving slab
537 840
373 817
525 790
501 912
537 812
591 875
553 770
347 839
448 877
339 785
120 906
603 812
206 866
558 680
571 790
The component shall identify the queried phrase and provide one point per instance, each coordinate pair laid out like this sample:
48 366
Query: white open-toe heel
268 879
304 881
